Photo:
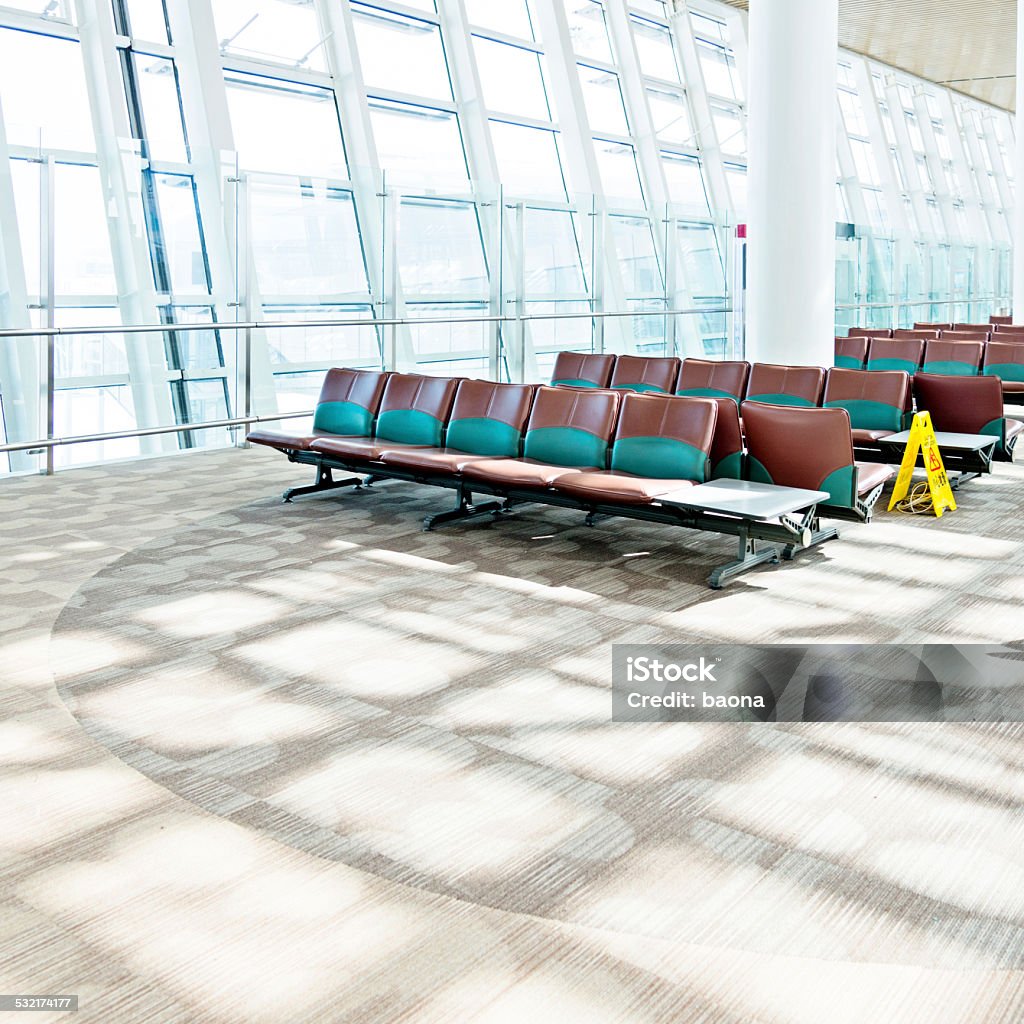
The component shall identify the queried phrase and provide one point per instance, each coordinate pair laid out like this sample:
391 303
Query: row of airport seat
879 399
996 358
602 450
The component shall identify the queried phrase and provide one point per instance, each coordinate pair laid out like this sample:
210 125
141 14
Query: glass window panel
617 166
638 260
418 145
587 30
92 411
206 400
82 263
161 108
656 7
402 54
864 159
853 113
280 31
285 127
179 234
701 264
509 16
877 213
315 343
916 141
671 117
842 213
729 127
686 184
654 48
923 173
648 332
552 258
511 79
527 160
736 177
42 82
88 355
708 28
25 182
720 75
552 336
440 250
198 350
602 97
147 20
845 75
454 347
55 9
305 242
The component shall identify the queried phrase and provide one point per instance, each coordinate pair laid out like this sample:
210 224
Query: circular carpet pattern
435 709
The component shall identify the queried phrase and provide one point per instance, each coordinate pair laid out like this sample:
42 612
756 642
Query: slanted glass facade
475 185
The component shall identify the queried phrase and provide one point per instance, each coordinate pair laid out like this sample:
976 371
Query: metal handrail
973 301
178 428
256 325
48 444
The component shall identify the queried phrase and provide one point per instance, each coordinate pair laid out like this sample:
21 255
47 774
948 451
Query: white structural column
1018 207
793 48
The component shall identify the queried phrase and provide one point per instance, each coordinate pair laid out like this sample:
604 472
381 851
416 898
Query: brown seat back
713 378
583 369
875 400
571 427
664 437
775 384
645 374
794 447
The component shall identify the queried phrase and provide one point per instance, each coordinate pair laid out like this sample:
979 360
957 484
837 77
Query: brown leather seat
513 473
955 356
862 436
487 421
811 448
662 444
583 369
413 413
778 384
645 374
871 475
877 400
615 488
713 378
347 405
869 332
569 430
967 405
851 353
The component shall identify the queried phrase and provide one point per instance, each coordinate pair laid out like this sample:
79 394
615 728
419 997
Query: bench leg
956 482
324 482
464 509
747 556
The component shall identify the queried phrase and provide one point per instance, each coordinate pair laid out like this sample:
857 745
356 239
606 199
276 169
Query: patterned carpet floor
306 762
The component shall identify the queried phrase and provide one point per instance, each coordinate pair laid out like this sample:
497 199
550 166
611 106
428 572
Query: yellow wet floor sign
922 439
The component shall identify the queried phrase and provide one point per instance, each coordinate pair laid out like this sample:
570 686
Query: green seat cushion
483 436
571 383
906 365
951 368
342 418
565 446
663 458
868 415
640 388
1005 371
409 426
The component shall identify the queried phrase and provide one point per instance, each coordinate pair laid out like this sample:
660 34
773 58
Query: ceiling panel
968 45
